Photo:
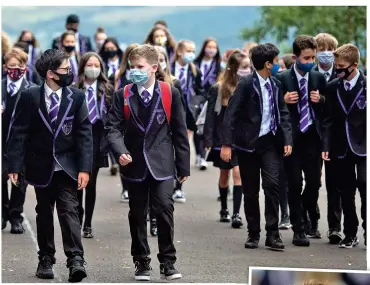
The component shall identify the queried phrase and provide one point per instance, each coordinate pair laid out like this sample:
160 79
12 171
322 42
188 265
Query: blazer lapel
275 94
257 90
43 112
154 105
65 106
293 84
4 92
133 104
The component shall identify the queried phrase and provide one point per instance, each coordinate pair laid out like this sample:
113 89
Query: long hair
105 87
150 38
124 62
115 42
164 75
202 50
5 44
230 78
35 43
180 48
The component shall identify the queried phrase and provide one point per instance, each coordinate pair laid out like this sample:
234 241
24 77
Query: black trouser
160 193
283 190
13 208
347 182
264 160
198 143
61 191
306 157
90 198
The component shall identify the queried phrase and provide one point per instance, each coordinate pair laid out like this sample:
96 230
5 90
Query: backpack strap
126 109
166 99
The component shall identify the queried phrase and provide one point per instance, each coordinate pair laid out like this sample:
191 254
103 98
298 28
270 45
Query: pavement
208 251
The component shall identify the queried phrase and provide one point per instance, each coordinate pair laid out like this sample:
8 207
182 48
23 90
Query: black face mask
64 79
28 42
69 48
346 72
110 53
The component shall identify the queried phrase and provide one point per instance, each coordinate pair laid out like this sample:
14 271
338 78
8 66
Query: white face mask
92 72
163 64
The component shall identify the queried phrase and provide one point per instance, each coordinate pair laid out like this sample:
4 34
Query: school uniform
210 70
254 114
345 139
152 143
123 80
98 104
33 55
33 76
57 132
73 60
170 53
112 66
83 44
306 119
11 208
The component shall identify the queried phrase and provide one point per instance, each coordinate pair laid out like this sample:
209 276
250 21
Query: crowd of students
251 113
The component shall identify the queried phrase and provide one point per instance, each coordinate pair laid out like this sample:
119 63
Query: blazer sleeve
198 88
84 139
285 120
327 117
323 85
177 85
115 124
36 78
180 135
209 124
20 131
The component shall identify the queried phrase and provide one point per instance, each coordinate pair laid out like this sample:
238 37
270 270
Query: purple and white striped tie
54 108
271 104
12 89
146 96
75 75
303 106
91 103
182 79
348 86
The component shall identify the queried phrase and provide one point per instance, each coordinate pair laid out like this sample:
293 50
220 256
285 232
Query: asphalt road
208 251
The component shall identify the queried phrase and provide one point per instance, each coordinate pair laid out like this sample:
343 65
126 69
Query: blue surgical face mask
325 57
305 67
188 57
275 68
223 65
139 76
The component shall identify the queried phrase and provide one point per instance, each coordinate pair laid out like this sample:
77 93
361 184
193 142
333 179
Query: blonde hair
124 63
179 48
17 53
348 52
5 44
326 41
145 51
316 282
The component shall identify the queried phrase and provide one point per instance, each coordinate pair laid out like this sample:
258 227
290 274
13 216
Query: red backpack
166 100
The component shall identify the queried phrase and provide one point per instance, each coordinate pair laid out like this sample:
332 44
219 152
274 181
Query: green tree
346 23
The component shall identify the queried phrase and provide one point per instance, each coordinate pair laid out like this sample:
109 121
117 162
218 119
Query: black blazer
33 76
316 81
36 145
123 81
159 147
84 42
213 124
9 103
344 126
243 116
211 77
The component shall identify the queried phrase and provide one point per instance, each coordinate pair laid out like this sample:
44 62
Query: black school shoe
17 228
274 242
252 242
236 221
77 271
45 267
3 223
142 270
169 272
300 239
334 237
87 232
349 242
224 216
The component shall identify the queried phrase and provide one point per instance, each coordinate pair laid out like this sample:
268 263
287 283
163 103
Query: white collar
93 86
48 91
330 71
150 89
17 83
299 77
263 81
179 66
353 81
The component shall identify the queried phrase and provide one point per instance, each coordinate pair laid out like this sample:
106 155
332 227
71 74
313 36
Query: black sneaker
252 242
45 267
77 271
3 223
169 272
142 271
236 221
274 242
334 237
224 216
300 239
17 228
285 223
153 227
314 233
88 232
349 242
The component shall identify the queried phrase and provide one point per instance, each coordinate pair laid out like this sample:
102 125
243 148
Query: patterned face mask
16 73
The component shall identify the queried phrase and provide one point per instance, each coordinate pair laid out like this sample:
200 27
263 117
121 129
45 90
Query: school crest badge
67 128
160 118
361 102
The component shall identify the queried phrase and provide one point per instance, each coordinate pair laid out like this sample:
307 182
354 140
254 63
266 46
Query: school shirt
353 81
48 92
299 77
327 73
178 67
94 87
150 89
204 63
266 115
77 47
17 84
113 65
30 50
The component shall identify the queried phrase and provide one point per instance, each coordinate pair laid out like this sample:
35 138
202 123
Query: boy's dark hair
161 22
23 46
50 59
260 54
72 19
303 42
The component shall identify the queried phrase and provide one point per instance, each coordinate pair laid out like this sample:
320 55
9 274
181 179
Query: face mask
69 48
325 57
275 68
305 67
210 52
223 65
99 44
163 64
64 79
29 42
344 73
110 53
92 72
161 41
138 76
188 57
243 72
16 73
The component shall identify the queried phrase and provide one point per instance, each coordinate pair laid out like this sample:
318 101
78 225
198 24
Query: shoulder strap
166 99
126 109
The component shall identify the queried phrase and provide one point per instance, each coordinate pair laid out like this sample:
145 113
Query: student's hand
325 156
225 153
287 150
83 179
291 97
183 179
2 109
315 96
125 159
13 178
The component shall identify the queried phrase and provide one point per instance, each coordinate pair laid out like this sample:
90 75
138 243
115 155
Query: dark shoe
334 237
142 271
224 216
3 223
114 170
314 233
252 242
274 242
88 232
349 242
300 239
236 221
153 227
285 223
17 228
169 272
77 270
45 267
